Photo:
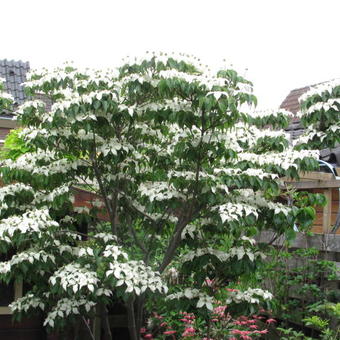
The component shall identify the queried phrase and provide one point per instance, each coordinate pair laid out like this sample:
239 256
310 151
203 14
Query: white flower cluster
193 293
81 210
106 237
66 307
30 133
206 80
97 77
76 277
285 159
334 128
114 252
36 220
12 190
83 251
46 76
257 199
269 113
137 277
25 303
254 134
28 162
141 78
148 130
76 99
309 135
3 94
320 89
242 133
49 196
332 103
191 231
112 146
251 295
191 176
175 105
5 267
235 211
159 191
35 104
218 94
249 172
163 57
25 256
238 252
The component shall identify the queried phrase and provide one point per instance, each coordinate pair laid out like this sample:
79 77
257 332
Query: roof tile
14 81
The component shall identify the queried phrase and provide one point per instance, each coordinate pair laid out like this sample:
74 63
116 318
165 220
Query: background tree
185 172
320 115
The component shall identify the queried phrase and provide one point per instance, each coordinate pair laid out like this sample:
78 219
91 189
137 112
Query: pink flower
190 330
253 327
163 324
142 330
169 332
265 331
148 336
237 331
245 337
251 321
270 321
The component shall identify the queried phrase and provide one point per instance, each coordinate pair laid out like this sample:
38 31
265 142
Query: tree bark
133 331
140 311
106 325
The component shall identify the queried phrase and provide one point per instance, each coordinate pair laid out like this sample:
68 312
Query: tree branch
102 188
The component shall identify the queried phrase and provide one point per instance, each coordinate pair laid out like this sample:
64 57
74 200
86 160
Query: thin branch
128 199
89 329
102 188
134 235
188 216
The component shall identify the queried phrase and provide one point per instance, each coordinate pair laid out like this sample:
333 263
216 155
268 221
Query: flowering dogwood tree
181 166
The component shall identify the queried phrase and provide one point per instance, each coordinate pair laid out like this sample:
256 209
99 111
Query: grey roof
15 74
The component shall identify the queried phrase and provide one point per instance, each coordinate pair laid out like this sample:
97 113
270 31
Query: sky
278 45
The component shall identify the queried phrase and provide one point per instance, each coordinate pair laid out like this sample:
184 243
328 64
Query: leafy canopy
183 171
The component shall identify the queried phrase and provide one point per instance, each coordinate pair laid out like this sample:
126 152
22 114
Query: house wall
6 125
335 207
3 133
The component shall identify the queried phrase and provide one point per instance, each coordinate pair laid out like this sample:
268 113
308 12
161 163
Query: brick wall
3 133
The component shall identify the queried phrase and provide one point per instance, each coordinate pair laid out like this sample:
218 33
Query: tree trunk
132 325
140 312
107 335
